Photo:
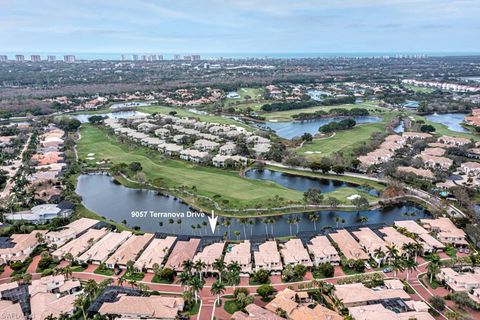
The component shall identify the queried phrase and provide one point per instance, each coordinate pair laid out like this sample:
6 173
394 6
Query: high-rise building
135 57
160 57
51 58
177 57
19 58
122 57
3 58
69 58
144 57
153 57
195 57
35 58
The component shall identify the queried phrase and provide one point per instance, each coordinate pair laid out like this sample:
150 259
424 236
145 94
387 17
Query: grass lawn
419 89
231 306
175 173
104 272
136 276
344 140
287 115
185 113
157 279
253 93
194 309
78 269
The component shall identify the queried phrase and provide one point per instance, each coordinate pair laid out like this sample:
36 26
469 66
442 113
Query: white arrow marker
213 222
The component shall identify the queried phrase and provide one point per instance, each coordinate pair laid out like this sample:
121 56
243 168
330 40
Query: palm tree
220 266
121 280
187 266
337 220
217 288
409 249
418 249
196 284
67 271
433 266
251 222
184 279
379 255
313 217
392 252
199 265
297 222
90 289
179 222
410 265
132 283
363 219
290 221
398 264
227 224
265 221
80 304
243 222
143 287
237 234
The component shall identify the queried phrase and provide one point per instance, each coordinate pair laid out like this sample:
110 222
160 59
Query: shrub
265 290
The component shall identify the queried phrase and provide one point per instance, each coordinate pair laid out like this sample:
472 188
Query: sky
244 26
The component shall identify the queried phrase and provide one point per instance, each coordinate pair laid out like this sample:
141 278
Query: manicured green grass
344 140
231 306
104 272
78 269
185 113
194 309
157 279
253 93
287 115
136 276
227 185
419 89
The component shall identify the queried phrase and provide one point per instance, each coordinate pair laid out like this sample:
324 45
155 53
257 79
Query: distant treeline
334 112
336 126
285 106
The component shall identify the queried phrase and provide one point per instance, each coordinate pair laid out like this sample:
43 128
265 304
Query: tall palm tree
410 265
313 217
199 266
398 264
132 283
196 284
433 266
187 265
266 221
379 255
90 289
220 266
363 219
79 303
392 252
409 249
217 289
121 280
297 222
184 279
290 221
251 222
243 222
227 224
418 249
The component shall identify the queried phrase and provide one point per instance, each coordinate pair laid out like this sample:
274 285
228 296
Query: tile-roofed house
436 162
183 250
79 245
205 145
470 168
378 311
53 284
156 252
170 149
152 307
445 231
70 231
46 304
129 250
193 155
241 253
438 152
453 141
47 157
369 241
254 312
268 257
350 248
416 135
100 251
356 294
424 173
227 149
323 251
12 310
393 237
19 246
429 243
293 253
460 281
209 254
224 161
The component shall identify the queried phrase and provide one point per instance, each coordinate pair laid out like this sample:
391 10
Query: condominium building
323 251
155 253
293 253
268 257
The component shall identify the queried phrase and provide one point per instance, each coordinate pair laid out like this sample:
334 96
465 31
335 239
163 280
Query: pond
83 118
317 95
302 183
113 201
400 128
291 129
451 120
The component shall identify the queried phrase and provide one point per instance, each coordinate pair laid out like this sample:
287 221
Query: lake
291 129
113 201
451 120
302 183
83 117
400 128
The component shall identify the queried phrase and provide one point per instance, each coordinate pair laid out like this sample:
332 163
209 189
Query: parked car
367 266
387 270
